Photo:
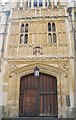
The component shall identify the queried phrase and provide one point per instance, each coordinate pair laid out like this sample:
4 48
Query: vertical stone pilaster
32 3
43 3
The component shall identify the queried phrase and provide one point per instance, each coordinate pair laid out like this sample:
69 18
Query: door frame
44 68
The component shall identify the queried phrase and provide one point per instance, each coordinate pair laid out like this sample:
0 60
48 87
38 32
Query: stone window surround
30 3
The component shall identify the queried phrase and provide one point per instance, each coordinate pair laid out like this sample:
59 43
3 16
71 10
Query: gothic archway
38 96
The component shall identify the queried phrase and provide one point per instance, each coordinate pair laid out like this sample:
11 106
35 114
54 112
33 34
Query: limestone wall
53 59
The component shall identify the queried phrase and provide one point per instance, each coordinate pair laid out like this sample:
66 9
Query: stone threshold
37 118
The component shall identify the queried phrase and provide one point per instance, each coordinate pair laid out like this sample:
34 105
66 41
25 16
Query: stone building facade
4 16
38 35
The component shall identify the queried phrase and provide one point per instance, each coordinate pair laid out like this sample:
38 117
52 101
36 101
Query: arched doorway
38 96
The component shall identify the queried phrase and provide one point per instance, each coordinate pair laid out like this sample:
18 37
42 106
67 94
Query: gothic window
30 3
22 28
52 33
49 27
20 4
26 28
26 4
54 38
35 3
45 2
49 3
21 38
26 38
40 2
50 38
53 27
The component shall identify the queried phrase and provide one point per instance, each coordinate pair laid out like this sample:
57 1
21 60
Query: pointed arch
54 38
26 27
49 27
21 38
53 27
22 28
49 38
26 38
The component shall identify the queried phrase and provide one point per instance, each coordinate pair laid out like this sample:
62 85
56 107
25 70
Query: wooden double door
38 96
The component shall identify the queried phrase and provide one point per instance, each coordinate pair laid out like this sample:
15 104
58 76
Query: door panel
41 105
38 96
30 102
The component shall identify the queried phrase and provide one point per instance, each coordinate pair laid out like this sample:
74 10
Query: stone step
31 118
37 118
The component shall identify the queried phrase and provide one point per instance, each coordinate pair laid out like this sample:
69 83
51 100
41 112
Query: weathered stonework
55 59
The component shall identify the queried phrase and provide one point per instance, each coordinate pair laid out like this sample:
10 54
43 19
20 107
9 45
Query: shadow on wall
71 113
1 111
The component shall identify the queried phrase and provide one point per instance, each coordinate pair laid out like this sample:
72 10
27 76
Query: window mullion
52 37
38 3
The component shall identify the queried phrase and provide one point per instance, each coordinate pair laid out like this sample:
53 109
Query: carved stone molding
39 57
12 67
63 66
